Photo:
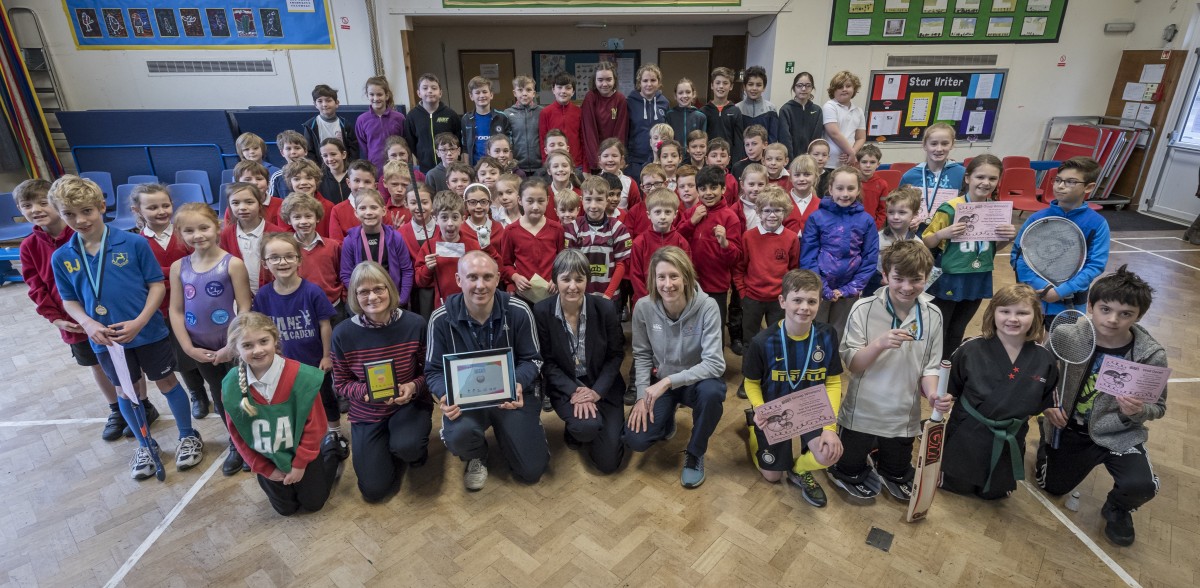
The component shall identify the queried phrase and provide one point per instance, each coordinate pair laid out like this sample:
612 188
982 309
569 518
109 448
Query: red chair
1015 161
1019 185
967 162
902 167
891 177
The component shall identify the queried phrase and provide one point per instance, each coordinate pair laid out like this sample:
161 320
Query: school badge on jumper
818 355
120 259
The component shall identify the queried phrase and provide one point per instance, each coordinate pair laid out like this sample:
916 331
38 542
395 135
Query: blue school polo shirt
129 269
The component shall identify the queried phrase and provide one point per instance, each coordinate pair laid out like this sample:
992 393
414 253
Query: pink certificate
797 413
1121 377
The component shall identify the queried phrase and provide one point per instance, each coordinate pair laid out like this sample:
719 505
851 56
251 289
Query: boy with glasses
448 151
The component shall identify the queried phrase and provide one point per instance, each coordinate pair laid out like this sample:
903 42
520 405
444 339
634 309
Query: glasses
477 202
804 86
379 291
448 149
772 212
278 259
1068 183
653 185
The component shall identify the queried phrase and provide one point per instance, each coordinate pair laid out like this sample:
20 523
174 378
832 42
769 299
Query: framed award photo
381 380
480 379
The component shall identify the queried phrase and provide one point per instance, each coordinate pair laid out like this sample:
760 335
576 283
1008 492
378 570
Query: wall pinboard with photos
876 22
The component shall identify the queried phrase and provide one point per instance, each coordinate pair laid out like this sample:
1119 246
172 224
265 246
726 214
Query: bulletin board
582 65
203 24
876 22
901 105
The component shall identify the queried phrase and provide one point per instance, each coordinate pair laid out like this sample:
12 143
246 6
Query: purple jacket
841 244
372 132
398 258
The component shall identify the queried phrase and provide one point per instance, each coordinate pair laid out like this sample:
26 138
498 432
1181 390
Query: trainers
693 471
190 451
114 427
337 444
571 442
901 491
630 397
1118 525
812 492
475 475
546 407
856 490
233 462
143 464
741 393
200 406
737 347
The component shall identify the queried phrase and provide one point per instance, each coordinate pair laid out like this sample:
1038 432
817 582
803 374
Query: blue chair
186 193
222 200
11 228
226 176
125 219
198 177
144 179
104 180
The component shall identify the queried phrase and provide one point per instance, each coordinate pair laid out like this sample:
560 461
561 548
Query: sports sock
181 407
335 428
132 418
807 462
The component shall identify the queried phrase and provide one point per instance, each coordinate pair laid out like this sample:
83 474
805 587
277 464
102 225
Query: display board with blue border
203 24
908 22
901 105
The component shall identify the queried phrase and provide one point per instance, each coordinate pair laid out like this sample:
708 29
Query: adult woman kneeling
583 346
678 359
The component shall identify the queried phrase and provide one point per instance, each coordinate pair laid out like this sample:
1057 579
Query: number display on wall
901 105
876 22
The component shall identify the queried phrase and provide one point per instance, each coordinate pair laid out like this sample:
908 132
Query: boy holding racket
1103 429
1075 180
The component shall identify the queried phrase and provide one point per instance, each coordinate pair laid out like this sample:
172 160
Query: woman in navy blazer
582 375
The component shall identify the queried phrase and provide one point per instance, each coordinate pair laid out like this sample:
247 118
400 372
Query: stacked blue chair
125 219
185 193
143 179
104 180
198 177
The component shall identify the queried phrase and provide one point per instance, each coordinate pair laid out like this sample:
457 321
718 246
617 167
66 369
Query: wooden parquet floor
70 516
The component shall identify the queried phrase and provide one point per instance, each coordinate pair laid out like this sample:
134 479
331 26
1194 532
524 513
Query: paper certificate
1121 377
381 380
982 220
795 414
480 379
448 249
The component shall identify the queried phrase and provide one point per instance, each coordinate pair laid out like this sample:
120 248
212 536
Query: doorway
685 63
499 66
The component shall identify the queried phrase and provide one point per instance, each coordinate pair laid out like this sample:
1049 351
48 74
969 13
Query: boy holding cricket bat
786 357
1099 428
892 348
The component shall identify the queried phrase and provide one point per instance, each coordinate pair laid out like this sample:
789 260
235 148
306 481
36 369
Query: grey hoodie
1107 425
687 350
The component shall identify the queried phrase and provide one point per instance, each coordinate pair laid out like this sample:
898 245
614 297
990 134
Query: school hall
127 94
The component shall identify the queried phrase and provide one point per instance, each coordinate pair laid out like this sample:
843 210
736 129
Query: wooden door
499 66
685 63
1130 70
729 51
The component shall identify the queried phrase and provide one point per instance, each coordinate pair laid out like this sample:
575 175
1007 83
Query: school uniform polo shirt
885 399
129 269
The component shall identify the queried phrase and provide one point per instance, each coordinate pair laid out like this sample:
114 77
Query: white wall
435 49
117 79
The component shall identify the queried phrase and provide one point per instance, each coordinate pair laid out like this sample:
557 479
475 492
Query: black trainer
114 427
809 488
859 490
546 406
570 440
741 393
901 491
630 397
200 406
337 444
233 462
1118 526
151 416
737 347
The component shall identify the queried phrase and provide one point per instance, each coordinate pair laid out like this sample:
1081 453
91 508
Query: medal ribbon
367 247
94 281
812 338
919 324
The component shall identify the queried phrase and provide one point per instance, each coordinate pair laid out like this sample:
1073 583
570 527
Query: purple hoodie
399 261
372 132
841 244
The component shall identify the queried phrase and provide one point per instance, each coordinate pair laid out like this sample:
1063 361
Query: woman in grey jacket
678 359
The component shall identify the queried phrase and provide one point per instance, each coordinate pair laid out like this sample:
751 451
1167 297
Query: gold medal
976 264
100 310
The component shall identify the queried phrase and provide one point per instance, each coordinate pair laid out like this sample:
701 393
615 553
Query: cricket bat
929 458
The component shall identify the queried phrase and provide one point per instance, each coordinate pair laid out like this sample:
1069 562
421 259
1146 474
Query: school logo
189 291
690 331
190 317
214 289
120 259
71 268
654 327
780 255
614 113
220 316
818 355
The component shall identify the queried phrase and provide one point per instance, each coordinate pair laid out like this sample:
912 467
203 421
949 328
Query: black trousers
735 315
753 313
519 433
601 434
722 299
956 315
329 400
1060 470
380 449
310 493
893 461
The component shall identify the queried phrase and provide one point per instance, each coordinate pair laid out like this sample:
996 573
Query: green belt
1004 431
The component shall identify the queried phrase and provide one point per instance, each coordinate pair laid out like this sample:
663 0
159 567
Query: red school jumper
797 218
322 264
767 257
714 264
175 250
527 254
874 190
644 246
38 273
229 242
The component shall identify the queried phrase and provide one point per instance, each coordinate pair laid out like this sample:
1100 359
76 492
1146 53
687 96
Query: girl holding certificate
379 366
583 347
967 266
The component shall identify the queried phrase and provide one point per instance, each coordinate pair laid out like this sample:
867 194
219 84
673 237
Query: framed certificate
381 380
480 379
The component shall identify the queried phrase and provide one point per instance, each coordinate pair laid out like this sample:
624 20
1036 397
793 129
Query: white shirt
778 230
425 232
163 238
849 119
248 243
327 129
316 239
266 385
801 203
750 211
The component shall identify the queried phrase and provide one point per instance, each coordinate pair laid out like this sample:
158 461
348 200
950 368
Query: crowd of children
284 308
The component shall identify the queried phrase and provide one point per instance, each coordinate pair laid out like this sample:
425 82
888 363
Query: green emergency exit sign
789 67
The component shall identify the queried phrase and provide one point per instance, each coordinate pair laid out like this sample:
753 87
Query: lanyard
812 337
917 329
937 183
94 280
367 248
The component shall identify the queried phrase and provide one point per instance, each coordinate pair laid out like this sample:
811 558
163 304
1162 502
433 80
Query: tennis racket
1055 249
1073 341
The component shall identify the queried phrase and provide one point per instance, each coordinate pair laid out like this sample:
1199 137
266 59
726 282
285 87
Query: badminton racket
1073 341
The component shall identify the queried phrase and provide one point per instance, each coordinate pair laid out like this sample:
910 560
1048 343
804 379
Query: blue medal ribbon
812 337
95 281
917 329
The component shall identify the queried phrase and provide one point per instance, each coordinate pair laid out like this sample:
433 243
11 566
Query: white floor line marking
83 421
1079 534
162 527
1183 380
1157 255
1135 249
1150 238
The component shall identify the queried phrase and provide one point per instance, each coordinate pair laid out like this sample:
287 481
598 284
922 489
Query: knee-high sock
131 418
181 407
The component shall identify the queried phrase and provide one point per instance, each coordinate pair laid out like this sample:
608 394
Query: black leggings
956 315
722 299
893 461
213 374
